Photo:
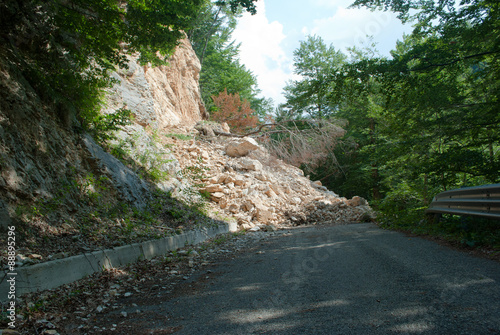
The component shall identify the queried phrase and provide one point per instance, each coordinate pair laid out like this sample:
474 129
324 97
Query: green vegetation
182 137
424 121
221 69
66 49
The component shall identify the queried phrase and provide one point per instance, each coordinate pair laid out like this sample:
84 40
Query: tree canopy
423 121
222 73
65 48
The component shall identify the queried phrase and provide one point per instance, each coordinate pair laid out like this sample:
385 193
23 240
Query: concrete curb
52 274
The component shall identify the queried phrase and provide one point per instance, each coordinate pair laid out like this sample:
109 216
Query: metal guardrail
483 201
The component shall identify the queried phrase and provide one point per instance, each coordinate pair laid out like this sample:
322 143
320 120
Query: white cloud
268 52
262 53
350 27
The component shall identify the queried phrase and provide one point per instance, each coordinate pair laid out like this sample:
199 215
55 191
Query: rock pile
258 191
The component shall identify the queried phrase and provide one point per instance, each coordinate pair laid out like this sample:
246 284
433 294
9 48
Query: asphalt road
352 279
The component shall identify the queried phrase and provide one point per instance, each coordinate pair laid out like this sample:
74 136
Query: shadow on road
354 279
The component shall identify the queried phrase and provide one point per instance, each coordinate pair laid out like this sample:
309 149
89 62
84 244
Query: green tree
314 61
221 70
441 87
65 48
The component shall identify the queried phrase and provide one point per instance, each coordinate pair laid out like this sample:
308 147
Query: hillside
162 174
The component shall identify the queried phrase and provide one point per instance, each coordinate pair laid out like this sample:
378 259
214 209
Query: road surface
351 279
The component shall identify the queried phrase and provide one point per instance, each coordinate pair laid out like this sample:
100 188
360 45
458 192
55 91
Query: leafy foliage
221 68
66 48
424 121
102 126
314 62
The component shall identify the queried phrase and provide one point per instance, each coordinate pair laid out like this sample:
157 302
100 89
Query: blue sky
269 38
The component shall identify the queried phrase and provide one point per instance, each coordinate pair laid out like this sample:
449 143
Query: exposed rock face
161 98
175 89
131 187
40 154
36 152
164 96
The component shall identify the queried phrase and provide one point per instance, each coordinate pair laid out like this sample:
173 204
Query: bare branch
259 129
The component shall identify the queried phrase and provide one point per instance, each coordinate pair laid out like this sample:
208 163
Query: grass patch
182 137
466 231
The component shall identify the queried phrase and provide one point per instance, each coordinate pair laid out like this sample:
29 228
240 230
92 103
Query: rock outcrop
39 153
164 96
162 99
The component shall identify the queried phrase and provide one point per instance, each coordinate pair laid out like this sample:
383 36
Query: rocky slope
164 96
258 191
66 194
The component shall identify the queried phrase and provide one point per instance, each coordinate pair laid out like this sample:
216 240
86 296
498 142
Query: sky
269 38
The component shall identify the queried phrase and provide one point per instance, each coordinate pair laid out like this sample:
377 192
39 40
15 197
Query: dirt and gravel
71 308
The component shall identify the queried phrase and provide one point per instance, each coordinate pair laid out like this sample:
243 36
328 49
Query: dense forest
421 122
424 120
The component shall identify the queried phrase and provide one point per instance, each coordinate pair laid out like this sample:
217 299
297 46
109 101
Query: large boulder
241 147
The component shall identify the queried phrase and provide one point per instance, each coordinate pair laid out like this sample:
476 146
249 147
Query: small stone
128 294
250 164
205 155
35 256
124 314
50 325
239 181
241 147
214 188
233 208
217 196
